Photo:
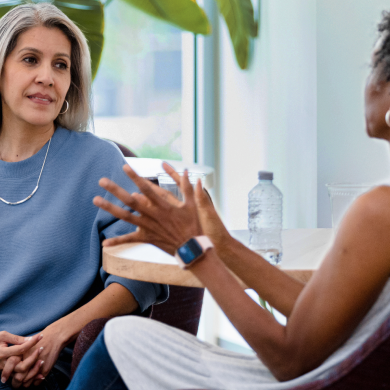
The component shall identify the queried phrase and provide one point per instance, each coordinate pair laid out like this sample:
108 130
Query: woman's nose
45 75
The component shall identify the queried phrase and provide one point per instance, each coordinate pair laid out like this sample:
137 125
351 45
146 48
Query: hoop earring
67 108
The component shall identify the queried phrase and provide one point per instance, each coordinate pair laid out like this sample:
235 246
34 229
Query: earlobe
387 118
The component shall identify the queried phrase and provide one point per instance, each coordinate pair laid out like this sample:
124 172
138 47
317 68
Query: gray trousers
150 355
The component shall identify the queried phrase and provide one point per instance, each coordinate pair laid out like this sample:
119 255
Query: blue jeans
96 370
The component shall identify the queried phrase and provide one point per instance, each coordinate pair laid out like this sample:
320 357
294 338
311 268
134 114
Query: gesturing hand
10 357
163 221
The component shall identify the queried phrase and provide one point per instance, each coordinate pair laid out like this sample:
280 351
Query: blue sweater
50 246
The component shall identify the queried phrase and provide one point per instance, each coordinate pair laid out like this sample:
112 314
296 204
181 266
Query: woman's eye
61 65
30 60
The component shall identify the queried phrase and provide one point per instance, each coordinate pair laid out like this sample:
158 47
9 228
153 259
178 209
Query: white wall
346 32
268 114
298 110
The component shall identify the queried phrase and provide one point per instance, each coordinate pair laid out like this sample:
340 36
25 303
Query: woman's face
377 101
36 77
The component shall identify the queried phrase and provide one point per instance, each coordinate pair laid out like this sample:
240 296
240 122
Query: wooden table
303 251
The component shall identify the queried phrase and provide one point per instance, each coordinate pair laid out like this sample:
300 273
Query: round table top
147 263
303 251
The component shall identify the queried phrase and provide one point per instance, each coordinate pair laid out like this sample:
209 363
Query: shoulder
367 222
93 142
88 146
374 204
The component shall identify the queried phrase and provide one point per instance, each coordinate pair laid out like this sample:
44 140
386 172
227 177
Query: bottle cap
264 175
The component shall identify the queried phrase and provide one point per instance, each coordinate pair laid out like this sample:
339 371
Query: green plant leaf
185 14
239 18
87 14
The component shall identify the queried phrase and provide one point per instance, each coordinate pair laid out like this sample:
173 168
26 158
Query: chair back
125 151
182 309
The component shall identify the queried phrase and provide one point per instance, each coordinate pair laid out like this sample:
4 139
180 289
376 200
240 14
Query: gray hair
26 16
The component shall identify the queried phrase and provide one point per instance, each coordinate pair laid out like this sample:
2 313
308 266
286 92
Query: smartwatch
192 251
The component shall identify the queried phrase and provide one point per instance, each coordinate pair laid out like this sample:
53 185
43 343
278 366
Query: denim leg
96 370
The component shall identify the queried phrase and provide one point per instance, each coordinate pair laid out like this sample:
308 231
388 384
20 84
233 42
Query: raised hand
163 221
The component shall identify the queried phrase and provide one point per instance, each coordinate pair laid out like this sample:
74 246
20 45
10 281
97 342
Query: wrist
64 331
226 246
192 251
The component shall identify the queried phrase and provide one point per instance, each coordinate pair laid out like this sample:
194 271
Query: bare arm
277 288
328 308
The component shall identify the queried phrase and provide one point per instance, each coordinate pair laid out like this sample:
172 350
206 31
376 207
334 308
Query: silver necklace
36 187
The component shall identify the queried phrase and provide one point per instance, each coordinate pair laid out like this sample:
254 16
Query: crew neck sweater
50 245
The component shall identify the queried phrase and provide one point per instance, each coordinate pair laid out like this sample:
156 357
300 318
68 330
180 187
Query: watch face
190 251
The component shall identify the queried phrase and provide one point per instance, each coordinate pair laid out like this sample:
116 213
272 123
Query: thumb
202 198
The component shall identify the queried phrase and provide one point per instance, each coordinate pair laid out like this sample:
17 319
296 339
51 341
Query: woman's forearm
273 285
258 327
112 301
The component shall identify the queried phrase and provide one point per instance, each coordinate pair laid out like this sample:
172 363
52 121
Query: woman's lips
44 100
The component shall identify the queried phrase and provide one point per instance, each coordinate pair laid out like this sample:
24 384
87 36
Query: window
139 97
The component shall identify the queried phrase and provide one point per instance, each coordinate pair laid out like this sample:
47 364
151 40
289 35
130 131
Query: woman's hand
10 357
51 346
163 221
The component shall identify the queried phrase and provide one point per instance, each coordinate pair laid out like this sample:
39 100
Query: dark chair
181 310
125 151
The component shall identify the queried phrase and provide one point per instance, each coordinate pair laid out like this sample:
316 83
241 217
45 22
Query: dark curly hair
382 56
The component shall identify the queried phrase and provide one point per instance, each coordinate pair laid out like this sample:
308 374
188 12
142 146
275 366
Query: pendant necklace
36 187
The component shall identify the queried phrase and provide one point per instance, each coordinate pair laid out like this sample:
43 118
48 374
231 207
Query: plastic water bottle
265 218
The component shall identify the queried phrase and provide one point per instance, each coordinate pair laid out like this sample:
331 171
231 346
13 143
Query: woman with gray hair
51 280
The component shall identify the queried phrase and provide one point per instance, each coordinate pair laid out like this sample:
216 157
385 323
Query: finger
33 372
21 349
171 172
144 185
166 195
115 210
118 212
124 239
26 364
9 367
187 189
38 381
116 190
28 384
17 380
201 198
145 207
10 338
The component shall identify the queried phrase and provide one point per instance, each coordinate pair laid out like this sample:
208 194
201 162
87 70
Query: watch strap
203 241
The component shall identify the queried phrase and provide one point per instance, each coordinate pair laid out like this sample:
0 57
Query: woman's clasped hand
22 360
